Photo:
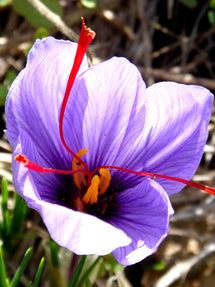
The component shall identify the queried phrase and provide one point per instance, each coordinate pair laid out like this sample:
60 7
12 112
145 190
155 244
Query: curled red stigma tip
21 158
86 34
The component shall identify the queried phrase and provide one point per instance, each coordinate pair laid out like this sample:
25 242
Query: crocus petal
176 130
105 103
143 214
77 231
35 97
174 134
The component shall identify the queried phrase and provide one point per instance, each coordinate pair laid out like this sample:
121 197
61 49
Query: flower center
98 184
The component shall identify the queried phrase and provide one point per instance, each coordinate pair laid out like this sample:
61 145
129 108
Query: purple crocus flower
90 153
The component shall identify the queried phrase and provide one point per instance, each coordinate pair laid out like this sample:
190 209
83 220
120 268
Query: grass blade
21 268
54 253
88 271
75 277
19 214
39 273
3 275
5 226
4 194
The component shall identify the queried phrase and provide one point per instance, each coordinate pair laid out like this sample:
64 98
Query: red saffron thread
86 37
33 166
184 181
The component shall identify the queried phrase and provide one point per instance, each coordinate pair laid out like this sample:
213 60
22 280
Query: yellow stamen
79 177
91 196
104 180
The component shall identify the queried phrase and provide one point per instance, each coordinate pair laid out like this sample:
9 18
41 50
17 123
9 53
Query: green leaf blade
6 222
54 248
19 214
16 279
25 9
75 277
3 276
39 273
85 276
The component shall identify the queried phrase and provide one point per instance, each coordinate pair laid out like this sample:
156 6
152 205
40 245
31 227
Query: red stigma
86 36
36 167
148 174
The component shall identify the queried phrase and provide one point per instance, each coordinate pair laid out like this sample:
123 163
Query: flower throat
97 182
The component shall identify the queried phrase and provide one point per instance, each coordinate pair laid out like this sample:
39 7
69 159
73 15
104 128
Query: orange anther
104 180
79 177
91 195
